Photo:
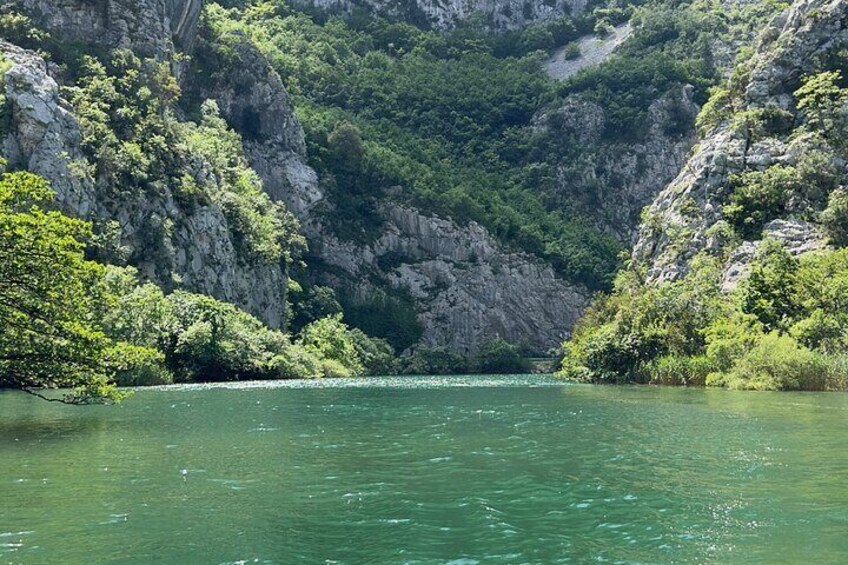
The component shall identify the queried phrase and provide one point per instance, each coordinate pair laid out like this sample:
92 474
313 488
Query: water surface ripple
461 470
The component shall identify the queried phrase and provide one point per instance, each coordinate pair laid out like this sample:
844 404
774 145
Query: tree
768 291
346 149
500 356
330 340
835 217
822 100
48 334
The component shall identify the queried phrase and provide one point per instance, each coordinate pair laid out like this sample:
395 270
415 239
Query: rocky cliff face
468 287
687 216
255 103
614 179
150 27
169 245
497 14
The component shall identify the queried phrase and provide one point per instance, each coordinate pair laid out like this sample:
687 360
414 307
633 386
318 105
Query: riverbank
784 327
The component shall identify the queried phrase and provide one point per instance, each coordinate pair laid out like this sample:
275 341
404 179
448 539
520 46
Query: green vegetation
137 146
443 116
443 121
48 337
786 325
496 356
785 328
446 117
202 339
75 324
500 356
571 51
71 323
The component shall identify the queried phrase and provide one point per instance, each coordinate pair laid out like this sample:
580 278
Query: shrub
603 28
717 110
776 362
198 338
729 338
834 218
821 330
501 357
822 101
572 51
435 361
759 197
295 362
330 340
377 355
134 365
768 292
390 317
836 370
680 370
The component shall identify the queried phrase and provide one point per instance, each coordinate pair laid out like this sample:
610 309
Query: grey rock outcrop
611 178
46 135
468 287
680 221
446 14
171 246
594 50
798 237
255 103
153 28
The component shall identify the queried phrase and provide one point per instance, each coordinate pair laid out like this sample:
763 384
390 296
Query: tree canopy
48 335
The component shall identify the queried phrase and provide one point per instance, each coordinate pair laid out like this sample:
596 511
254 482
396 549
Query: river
458 470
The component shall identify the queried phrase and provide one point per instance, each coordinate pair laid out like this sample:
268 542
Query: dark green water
458 470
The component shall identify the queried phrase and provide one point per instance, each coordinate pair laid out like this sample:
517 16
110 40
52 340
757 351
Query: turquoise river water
458 470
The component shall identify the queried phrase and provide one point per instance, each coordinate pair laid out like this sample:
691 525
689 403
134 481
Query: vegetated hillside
419 135
451 193
738 275
90 125
497 15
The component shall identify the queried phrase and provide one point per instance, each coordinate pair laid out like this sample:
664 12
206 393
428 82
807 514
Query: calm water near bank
426 470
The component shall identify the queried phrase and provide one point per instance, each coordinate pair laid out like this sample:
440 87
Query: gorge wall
690 214
496 14
465 286
171 244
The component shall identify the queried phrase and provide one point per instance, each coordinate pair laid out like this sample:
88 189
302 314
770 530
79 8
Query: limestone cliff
174 245
689 215
150 27
170 245
255 103
614 178
497 14
468 287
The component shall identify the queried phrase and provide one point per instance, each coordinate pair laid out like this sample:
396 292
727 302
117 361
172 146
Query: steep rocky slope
466 287
752 132
593 50
194 247
151 27
469 289
497 14
616 178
